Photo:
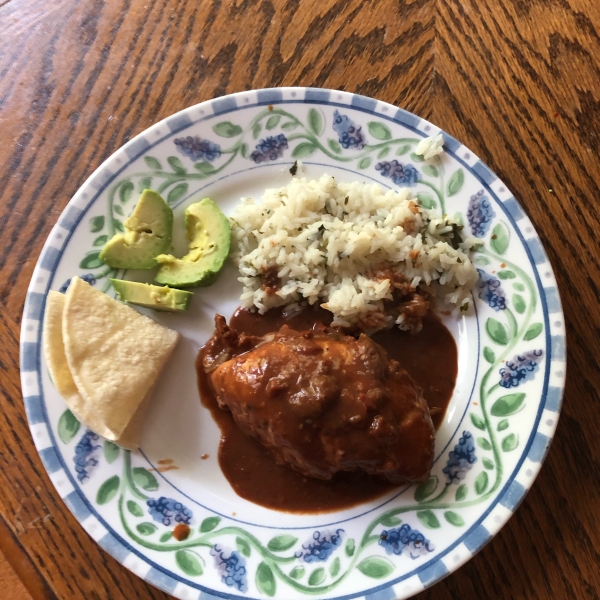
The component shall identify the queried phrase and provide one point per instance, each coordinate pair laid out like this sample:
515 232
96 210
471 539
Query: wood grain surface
518 81
10 581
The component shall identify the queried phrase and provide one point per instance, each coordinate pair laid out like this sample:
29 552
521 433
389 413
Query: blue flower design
480 214
322 547
461 459
166 511
89 277
232 567
520 369
198 149
404 539
491 291
87 454
398 173
349 135
270 148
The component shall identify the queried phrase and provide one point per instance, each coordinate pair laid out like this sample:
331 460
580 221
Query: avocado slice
209 233
148 233
151 296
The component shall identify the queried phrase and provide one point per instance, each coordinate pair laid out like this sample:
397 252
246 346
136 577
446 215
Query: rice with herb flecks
327 242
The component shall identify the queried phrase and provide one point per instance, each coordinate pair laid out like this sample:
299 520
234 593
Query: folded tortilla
104 359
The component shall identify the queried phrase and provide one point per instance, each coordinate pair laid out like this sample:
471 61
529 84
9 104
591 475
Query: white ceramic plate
497 428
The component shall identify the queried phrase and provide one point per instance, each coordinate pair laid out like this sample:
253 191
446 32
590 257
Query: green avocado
148 233
151 296
209 233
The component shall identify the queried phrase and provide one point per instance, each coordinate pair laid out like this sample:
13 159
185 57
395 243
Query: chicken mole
430 357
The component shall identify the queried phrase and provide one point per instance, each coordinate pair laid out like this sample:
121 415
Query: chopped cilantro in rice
325 242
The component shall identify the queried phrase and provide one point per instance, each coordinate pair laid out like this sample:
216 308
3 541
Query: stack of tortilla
104 359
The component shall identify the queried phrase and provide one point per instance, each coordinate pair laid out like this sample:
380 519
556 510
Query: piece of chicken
323 402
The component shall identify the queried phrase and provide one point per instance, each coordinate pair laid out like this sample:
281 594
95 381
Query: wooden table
518 81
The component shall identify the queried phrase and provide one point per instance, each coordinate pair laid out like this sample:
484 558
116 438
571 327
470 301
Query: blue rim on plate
493 298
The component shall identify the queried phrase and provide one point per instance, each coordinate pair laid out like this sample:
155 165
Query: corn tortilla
114 355
54 351
58 368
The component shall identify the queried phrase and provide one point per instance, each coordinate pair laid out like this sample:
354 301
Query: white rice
430 146
325 238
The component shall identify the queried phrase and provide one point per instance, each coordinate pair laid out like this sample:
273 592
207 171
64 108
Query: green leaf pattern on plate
428 518
96 224
146 528
108 490
111 451
375 567
125 192
134 508
68 426
317 576
265 581
145 479
454 518
209 524
189 562
281 543
500 238
426 489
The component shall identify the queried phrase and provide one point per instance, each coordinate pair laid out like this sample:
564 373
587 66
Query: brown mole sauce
430 357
